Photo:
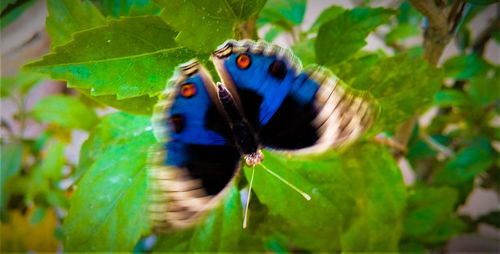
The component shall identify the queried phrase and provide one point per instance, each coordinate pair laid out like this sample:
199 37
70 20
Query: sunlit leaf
465 66
117 8
400 93
350 197
326 15
53 162
401 32
141 105
66 16
204 25
430 216
66 111
22 82
109 208
283 13
273 32
304 49
356 67
114 60
341 37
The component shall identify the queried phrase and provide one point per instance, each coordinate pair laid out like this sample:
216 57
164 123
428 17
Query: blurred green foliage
121 53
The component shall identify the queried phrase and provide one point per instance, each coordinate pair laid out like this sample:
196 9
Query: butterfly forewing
291 109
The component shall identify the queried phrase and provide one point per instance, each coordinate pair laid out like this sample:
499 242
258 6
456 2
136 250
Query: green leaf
109 208
401 85
65 111
11 159
113 130
140 105
220 231
430 217
408 14
283 13
117 8
341 37
129 57
5 3
350 196
38 216
304 49
204 25
63 21
53 162
465 66
273 32
465 166
12 11
484 2
401 32
22 82
450 97
492 218
69 16
326 15
356 67
463 38
484 90
496 36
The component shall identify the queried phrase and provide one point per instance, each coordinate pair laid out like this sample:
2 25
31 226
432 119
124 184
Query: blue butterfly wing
196 159
291 109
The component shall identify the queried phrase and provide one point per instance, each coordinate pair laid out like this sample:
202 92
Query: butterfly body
264 101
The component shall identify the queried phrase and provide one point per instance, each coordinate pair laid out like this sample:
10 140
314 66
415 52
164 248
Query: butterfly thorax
244 136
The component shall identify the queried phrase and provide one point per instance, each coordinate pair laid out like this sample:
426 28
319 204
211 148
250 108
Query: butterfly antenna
305 195
248 198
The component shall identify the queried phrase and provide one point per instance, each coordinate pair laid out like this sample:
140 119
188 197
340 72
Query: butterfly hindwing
196 159
290 109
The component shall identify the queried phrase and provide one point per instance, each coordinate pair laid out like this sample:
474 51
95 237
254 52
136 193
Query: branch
482 39
247 30
441 25
436 146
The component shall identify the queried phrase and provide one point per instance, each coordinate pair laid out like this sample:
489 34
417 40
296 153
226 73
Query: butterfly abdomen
244 136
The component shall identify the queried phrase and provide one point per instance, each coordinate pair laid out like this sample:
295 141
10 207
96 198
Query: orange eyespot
188 90
243 61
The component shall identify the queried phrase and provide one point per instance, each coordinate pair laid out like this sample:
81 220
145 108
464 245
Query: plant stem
485 36
247 30
438 33
441 26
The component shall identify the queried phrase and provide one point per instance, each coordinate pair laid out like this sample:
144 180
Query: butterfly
265 100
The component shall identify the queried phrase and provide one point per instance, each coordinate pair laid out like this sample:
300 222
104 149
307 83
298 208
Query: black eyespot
278 69
177 121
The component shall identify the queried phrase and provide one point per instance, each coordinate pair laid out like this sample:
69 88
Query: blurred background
448 131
